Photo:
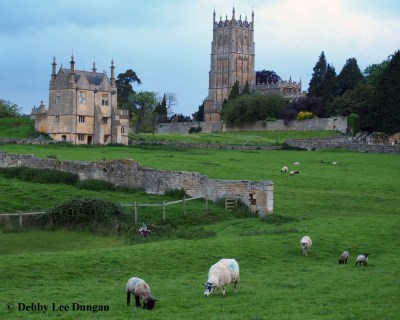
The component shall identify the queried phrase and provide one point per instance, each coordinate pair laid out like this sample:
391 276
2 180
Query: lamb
284 169
343 258
362 259
294 172
222 273
296 163
305 244
141 290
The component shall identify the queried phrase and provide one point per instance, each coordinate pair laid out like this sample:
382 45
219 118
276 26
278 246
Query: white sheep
141 290
284 169
305 244
222 273
362 259
343 258
294 172
296 163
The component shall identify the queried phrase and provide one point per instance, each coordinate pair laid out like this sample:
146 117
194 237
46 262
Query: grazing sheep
296 163
294 172
305 244
284 169
343 258
362 259
141 290
222 273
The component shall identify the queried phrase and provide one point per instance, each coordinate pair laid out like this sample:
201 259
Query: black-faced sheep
284 169
305 244
222 273
141 290
362 259
294 172
343 258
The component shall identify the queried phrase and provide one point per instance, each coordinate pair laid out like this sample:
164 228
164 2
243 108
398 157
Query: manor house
232 59
82 108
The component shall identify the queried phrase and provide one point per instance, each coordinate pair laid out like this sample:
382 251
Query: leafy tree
374 72
250 108
124 87
318 77
388 96
267 77
199 114
310 104
9 109
143 117
349 76
180 118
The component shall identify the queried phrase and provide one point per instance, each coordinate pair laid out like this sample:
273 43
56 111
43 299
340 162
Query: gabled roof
94 78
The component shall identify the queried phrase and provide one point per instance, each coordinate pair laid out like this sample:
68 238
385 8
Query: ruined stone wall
130 174
344 143
336 123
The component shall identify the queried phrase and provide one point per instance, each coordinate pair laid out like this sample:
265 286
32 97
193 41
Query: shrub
195 129
86 213
95 185
40 175
303 115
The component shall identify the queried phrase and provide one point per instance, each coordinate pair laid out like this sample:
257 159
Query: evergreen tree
125 90
234 91
246 88
161 110
388 96
329 88
349 76
199 115
318 77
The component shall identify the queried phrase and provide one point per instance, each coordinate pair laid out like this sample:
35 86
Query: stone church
232 59
82 108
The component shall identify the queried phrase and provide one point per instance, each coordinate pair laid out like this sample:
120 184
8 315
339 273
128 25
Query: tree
349 76
329 87
161 110
310 104
246 88
143 116
9 109
250 108
318 77
199 114
354 123
234 91
267 77
374 72
170 100
124 87
388 96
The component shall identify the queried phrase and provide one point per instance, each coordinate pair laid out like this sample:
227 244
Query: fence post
135 209
206 203
184 205
20 219
163 210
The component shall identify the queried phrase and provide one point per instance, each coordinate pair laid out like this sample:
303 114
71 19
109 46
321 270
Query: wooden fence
134 205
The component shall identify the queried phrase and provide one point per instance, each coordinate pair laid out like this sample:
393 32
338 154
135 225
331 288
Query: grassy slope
17 128
352 205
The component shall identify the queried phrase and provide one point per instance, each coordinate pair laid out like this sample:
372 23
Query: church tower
232 59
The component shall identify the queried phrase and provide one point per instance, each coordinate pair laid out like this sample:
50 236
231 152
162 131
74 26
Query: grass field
353 205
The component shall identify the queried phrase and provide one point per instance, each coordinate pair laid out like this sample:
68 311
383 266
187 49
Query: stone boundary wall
344 143
334 123
130 174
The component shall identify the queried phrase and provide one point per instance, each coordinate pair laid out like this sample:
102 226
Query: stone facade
232 59
82 108
258 195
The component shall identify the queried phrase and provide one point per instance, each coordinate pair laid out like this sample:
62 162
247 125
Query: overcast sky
168 43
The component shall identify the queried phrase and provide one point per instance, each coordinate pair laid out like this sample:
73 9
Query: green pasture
252 138
352 205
